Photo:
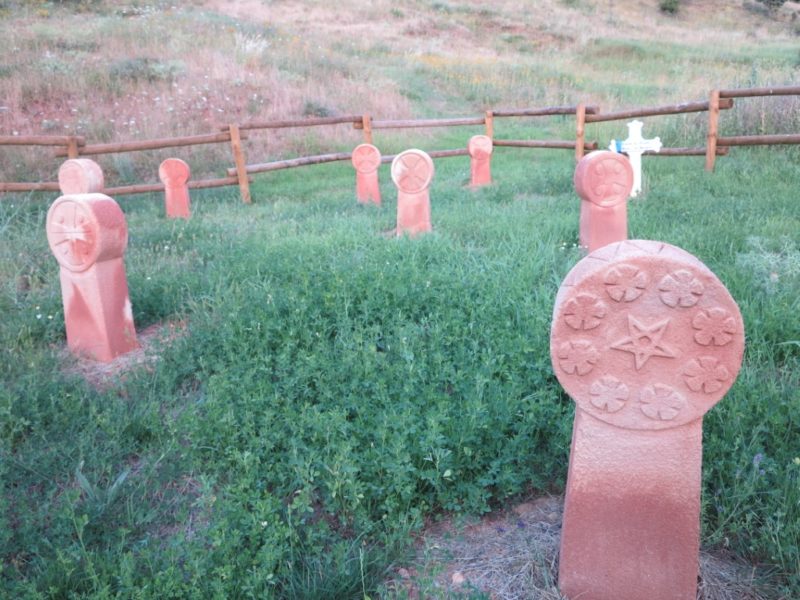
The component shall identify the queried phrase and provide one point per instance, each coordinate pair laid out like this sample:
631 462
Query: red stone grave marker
174 174
480 151
366 159
645 339
80 176
603 180
88 235
412 173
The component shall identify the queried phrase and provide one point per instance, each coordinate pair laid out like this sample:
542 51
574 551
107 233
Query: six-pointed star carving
644 341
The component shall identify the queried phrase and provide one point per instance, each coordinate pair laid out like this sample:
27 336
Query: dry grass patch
513 555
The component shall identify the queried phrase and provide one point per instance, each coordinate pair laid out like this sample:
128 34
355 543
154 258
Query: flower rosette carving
625 283
661 402
706 373
680 288
609 394
715 326
645 337
584 311
578 357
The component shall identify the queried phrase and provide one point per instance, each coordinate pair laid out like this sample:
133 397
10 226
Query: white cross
634 147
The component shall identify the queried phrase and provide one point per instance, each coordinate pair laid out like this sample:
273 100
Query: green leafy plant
669 6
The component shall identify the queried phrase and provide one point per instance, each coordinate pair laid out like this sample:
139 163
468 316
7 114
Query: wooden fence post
72 147
366 123
490 124
241 165
580 136
713 130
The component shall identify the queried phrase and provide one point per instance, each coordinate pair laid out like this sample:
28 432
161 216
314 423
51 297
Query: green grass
336 388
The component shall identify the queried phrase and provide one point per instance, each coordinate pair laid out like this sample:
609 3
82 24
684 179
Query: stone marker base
623 517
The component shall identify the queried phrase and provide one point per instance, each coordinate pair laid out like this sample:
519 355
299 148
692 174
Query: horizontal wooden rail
48 186
764 91
685 152
40 140
759 140
543 112
316 122
433 154
294 162
409 123
159 187
52 186
557 144
655 111
189 140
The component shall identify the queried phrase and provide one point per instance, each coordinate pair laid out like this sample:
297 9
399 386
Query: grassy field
331 390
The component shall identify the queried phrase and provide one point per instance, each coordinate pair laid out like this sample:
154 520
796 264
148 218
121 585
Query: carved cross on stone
645 339
412 173
366 159
634 147
603 180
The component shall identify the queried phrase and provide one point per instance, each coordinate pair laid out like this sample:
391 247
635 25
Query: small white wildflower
39 315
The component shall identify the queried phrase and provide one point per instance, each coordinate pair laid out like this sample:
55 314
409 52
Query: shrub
772 4
145 69
669 6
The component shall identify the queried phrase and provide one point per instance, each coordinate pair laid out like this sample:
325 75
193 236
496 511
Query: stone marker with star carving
88 235
645 339
412 173
366 159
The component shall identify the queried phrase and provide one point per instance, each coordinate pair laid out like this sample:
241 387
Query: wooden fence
239 174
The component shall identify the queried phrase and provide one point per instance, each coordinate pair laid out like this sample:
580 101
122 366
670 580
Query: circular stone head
86 228
412 171
174 171
480 146
366 158
80 176
604 178
645 336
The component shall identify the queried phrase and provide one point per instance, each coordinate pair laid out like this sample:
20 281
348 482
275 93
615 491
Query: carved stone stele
366 159
645 339
88 235
412 173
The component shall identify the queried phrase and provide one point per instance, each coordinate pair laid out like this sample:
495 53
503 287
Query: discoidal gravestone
366 159
412 173
480 152
174 174
645 339
80 176
603 181
88 235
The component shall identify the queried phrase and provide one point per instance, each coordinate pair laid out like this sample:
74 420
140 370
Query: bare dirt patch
103 376
512 554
